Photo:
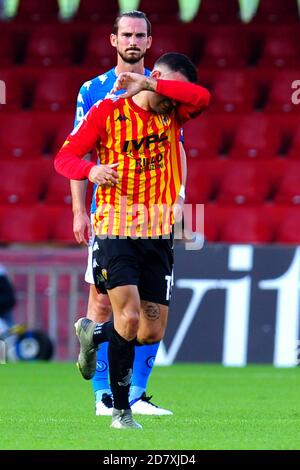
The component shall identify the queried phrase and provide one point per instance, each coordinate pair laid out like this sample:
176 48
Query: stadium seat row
233 90
29 134
224 181
257 224
209 11
267 223
243 182
66 44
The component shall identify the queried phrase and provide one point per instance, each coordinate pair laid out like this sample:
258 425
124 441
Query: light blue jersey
92 91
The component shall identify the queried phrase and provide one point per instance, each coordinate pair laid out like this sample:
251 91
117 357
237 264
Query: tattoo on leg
151 311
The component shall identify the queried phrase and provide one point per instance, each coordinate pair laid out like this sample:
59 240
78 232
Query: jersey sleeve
84 137
83 104
192 98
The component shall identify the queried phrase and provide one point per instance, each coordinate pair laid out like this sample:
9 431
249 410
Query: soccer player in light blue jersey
131 37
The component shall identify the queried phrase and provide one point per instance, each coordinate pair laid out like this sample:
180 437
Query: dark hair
179 63
132 14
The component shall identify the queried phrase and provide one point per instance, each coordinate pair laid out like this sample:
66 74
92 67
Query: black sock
120 359
103 332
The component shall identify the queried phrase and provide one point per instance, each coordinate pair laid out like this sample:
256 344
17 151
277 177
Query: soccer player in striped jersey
136 137
131 37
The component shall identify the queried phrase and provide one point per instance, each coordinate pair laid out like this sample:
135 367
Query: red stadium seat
288 228
62 130
217 11
97 11
200 186
14 89
232 90
21 135
160 12
277 11
61 224
23 224
23 182
226 47
288 190
203 178
56 90
99 52
166 39
35 10
58 190
202 138
7 49
211 232
246 225
294 151
280 49
49 46
257 136
280 93
244 182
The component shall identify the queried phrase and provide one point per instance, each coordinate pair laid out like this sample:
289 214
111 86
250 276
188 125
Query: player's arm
192 98
70 162
178 207
81 220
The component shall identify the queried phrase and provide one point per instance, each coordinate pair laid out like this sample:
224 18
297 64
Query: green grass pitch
49 406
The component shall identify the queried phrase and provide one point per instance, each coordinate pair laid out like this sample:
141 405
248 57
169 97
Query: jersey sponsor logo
149 163
144 142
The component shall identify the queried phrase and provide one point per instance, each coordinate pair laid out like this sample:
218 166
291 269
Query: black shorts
146 263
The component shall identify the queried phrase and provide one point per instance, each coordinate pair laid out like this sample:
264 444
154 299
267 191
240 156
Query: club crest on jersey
104 274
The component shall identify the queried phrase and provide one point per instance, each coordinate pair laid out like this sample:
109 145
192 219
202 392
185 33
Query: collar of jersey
137 108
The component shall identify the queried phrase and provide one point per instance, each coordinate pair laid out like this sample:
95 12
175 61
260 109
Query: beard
131 59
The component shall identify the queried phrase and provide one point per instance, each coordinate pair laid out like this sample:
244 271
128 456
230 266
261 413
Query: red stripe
111 190
168 164
173 193
155 220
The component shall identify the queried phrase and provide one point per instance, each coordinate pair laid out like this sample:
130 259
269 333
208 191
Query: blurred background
235 301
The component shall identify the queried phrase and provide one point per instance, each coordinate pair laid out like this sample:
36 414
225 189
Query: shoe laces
127 419
147 399
107 400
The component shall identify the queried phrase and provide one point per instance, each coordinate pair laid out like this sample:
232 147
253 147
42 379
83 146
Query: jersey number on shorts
170 282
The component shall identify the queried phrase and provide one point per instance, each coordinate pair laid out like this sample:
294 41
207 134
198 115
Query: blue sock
100 379
142 367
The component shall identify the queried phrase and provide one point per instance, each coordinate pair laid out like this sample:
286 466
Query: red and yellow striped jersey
146 147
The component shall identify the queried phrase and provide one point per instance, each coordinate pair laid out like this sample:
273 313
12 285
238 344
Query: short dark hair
132 14
179 63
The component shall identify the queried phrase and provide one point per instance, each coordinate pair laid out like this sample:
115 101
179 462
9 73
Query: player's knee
131 320
150 337
99 308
